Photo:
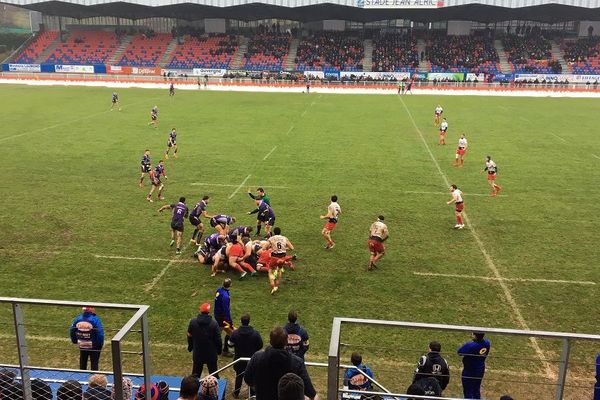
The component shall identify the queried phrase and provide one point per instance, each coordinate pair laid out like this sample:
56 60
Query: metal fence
24 380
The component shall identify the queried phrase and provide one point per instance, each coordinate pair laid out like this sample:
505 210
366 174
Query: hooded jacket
297 339
246 341
433 365
204 338
87 331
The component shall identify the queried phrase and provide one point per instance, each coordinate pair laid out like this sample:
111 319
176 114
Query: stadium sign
400 3
208 71
551 78
378 76
24 67
78 69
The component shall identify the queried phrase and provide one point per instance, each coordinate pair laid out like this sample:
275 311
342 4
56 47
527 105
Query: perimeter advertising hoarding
559 78
75 69
439 76
24 67
383 76
208 71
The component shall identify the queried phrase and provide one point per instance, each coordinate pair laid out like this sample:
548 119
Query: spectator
204 341
415 388
223 313
597 385
433 365
10 389
87 332
141 393
40 390
297 336
97 388
127 389
209 388
163 390
290 387
190 386
474 354
430 385
70 390
246 341
506 397
354 379
268 366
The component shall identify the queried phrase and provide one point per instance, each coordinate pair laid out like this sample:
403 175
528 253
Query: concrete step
558 55
368 60
502 57
125 41
289 63
424 65
238 57
50 49
167 56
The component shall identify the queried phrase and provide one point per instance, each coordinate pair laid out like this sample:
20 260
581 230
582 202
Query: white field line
448 193
304 113
524 119
269 153
558 137
65 123
149 286
237 189
113 257
488 259
226 185
290 130
595 156
493 278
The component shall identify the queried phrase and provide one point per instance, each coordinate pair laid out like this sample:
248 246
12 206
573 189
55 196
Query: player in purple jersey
154 117
180 211
209 248
155 175
266 214
171 142
221 223
145 166
238 233
199 211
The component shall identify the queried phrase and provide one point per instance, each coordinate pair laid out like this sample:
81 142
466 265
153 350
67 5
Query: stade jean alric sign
400 3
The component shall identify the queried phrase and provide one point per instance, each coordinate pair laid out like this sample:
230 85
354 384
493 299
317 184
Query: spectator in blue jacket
297 336
87 332
354 379
223 314
597 385
474 354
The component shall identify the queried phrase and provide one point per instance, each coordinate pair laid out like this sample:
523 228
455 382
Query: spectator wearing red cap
204 341
87 332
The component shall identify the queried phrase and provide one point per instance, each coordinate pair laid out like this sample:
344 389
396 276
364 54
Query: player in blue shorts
199 211
155 175
265 214
115 101
171 142
180 211
145 166
154 117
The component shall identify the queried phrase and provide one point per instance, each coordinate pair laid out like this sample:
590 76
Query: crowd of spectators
330 51
395 52
461 54
531 53
266 51
205 51
583 55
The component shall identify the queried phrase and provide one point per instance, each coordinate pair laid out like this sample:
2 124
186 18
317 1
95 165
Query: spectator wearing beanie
209 388
246 341
40 390
97 388
127 389
204 341
70 390
87 332
290 387
266 368
141 393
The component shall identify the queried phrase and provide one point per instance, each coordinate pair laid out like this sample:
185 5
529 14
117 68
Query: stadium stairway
368 60
238 57
292 54
50 49
423 64
558 54
55 378
125 41
168 53
502 59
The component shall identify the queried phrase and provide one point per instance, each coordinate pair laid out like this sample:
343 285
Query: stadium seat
32 52
474 54
266 52
213 51
395 53
144 51
85 48
330 51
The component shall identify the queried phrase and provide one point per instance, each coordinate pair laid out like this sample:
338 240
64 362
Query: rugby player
459 206
333 213
221 223
260 195
115 101
156 182
145 166
180 211
235 257
171 142
199 211
492 171
171 90
438 115
459 161
378 233
265 214
212 244
154 117
443 131
279 246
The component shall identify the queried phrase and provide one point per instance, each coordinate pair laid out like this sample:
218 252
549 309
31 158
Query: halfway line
488 259
269 153
239 187
493 278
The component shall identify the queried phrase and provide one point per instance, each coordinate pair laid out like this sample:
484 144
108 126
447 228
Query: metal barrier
25 368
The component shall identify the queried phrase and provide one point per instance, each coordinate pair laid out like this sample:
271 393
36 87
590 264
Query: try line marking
488 259
493 278
269 153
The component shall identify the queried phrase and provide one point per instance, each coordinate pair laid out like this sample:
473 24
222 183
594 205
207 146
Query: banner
446 76
208 71
24 67
376 76
145 70
404 4
559 78
475 77
117 69
314 74
79 69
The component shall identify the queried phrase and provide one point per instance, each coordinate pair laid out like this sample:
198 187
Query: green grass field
69 191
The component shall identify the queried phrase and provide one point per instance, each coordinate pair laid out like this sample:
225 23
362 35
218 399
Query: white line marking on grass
269 153
290 130
488 259
113 257
447 193
225 185
493 278
595 156
237 189
524 119
304 113
558 137
149 286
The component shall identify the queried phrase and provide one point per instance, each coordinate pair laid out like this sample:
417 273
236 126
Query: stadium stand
204 52
85 47
583 55
395 53
266 51
530 54
32 52
330 51
145 50
462 54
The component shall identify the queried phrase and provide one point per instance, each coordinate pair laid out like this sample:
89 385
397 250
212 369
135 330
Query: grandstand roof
312 10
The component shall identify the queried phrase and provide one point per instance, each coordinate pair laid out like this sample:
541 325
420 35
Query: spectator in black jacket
246 341
433 365
297 340
70 390
204 341
266 368
190 386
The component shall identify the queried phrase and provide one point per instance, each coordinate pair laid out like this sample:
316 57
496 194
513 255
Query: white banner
378 76
314 74
558 78
208 71
80 69
24 67
472 77
400 3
